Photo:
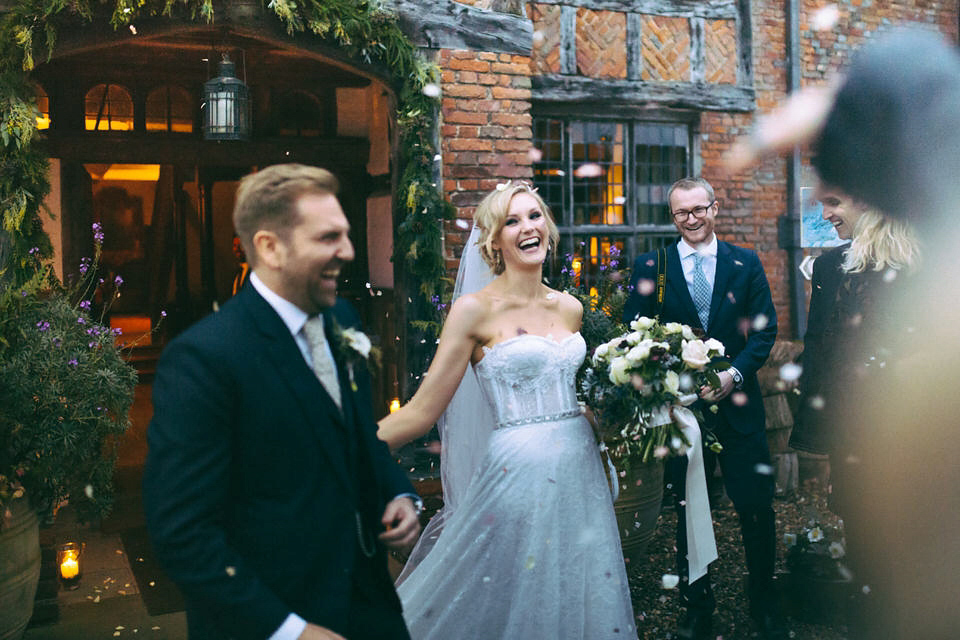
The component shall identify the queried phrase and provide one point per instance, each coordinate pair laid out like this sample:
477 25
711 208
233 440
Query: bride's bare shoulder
471 309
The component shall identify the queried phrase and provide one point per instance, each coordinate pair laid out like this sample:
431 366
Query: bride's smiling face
524 237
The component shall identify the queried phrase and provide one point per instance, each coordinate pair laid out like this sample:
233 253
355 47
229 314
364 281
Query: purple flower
34 250
85 305
73 363
118 281
81 320
92 344
117 331
614 251
97 233
163 314
23 293
57 342
43 325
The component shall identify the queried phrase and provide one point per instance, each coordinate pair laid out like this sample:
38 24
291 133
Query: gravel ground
658 609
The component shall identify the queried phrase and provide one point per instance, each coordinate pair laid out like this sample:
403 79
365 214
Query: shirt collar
292 315
685 250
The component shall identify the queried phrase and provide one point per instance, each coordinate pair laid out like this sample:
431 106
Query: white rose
671 382
715 345
358 341
673 327
618 371
695 354
600 352
688 333
642 323
634 337
640 352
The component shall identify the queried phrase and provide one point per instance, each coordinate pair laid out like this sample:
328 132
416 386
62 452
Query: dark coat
254 477
808 429
741 295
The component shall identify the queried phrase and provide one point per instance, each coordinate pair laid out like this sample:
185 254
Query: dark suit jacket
252 484
808 433
740 295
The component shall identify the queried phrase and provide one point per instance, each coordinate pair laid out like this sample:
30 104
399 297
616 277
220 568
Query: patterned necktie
701 291
320 354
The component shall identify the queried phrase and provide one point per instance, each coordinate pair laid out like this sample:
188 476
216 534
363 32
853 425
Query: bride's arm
457 341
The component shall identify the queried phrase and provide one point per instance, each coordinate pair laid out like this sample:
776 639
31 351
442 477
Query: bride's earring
498 257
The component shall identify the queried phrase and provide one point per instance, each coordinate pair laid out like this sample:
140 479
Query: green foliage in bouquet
65 392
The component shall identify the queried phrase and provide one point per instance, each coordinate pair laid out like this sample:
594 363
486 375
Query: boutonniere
354 347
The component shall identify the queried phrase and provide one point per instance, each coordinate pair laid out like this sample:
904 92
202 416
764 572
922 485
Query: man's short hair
686 184
266 200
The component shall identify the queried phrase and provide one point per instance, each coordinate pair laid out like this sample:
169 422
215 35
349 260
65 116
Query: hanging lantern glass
226 105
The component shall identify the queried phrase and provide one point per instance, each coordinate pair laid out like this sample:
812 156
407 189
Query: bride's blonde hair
491 215
881 242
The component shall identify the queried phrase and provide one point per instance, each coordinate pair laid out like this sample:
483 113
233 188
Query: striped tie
701 291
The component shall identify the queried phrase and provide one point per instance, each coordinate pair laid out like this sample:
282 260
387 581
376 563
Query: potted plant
65 395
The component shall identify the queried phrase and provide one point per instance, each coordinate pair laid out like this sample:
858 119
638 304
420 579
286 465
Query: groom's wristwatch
415 499
737 376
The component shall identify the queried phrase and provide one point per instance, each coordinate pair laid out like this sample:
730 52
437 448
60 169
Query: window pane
43 105
549 171
660 152
108 107
297 114
597 150
169 108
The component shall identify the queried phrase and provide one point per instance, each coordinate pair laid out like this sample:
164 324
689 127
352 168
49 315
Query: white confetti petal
790 372
826 18
670 581
431 90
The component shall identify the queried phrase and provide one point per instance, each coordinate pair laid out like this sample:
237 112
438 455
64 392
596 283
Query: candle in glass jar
69 568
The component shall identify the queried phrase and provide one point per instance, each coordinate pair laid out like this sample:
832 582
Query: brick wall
485 131
486 128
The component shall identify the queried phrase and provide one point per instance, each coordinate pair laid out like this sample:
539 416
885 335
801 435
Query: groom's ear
270 249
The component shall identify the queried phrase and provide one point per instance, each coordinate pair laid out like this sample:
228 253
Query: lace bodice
531 378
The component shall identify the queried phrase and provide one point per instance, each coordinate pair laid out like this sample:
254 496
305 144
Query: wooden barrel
638 507
19 569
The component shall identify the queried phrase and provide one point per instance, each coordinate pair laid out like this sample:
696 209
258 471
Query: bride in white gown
526 546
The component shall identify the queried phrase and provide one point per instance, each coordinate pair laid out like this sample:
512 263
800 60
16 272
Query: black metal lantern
226 105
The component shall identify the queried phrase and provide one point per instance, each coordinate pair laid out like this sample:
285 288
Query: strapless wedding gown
532 551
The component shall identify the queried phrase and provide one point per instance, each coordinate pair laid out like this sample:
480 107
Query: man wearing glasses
721 289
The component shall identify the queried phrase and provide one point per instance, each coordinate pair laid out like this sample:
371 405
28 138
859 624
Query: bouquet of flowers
635 379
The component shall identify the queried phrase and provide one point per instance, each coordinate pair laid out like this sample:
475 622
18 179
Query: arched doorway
127 151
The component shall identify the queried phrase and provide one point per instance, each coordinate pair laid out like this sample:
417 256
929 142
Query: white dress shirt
709 254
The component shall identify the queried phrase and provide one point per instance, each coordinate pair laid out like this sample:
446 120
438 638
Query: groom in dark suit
721 289
269 499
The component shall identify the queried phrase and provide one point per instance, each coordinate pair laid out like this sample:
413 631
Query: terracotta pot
19 569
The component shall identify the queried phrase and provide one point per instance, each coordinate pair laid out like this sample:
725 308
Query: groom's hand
314 632
402 524
709 394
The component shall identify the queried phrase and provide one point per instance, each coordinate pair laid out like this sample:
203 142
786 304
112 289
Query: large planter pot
19 569
638 507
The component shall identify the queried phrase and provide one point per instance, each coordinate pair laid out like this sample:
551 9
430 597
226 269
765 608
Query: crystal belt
571 413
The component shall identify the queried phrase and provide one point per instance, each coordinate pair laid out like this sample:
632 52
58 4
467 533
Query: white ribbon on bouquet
701 543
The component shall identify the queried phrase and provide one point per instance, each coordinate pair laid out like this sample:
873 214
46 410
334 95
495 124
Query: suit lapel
720 279
281 349
677 280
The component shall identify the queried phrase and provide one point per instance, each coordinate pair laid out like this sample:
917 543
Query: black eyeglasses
680 215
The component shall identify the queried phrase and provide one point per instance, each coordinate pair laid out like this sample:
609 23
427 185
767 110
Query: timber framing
444 24
675 95
709 9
